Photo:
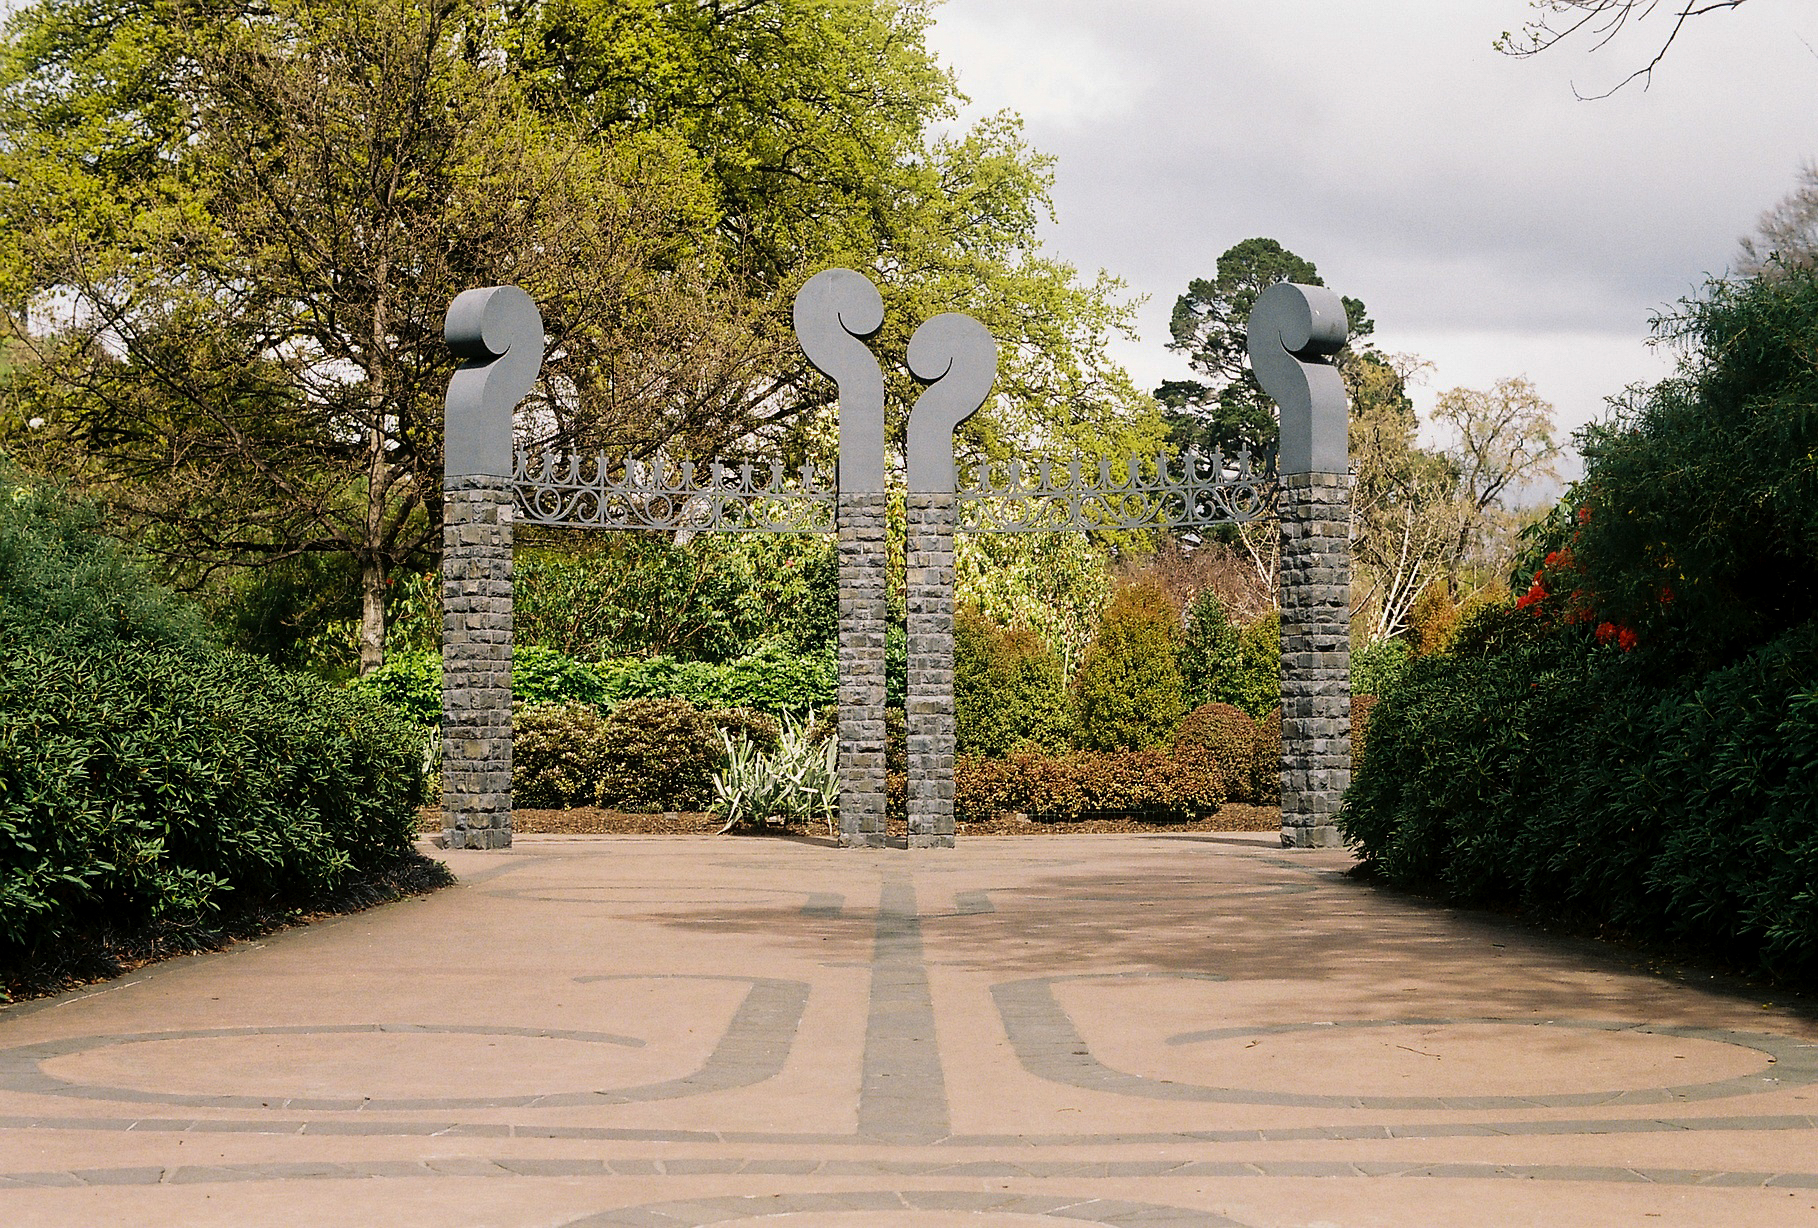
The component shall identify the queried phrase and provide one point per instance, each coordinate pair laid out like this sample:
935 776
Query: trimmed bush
658 754
1127 693
1228 736
758 728
1084 784
146 790
1265 767
1008 691
558 754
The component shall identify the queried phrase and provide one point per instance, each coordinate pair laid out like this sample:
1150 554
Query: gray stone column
860 523
476 662
1315 511
930 717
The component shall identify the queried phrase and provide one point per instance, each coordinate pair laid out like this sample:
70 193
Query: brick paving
1190 1029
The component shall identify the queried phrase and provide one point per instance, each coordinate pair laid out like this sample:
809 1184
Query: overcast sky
1492 223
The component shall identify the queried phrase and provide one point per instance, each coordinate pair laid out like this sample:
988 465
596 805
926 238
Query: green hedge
1569 780
774 678
150 789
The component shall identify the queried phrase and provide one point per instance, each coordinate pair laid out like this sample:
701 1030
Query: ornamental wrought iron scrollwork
1185 492
596 493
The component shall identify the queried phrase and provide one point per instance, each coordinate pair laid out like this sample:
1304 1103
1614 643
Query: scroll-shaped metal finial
498 331
834 311
955 354
1294 331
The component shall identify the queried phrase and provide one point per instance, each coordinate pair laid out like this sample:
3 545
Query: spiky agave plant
799 780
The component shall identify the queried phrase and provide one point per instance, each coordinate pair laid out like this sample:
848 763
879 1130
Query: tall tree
1502 444
247 219
1226 407
253 359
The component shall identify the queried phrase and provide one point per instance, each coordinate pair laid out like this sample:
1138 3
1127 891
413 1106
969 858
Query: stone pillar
476 662
930 716
1315 511
860 523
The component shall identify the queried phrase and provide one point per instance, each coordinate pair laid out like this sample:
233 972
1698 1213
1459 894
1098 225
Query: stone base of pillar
1315 511
1321 837
929 592
476 663
860 522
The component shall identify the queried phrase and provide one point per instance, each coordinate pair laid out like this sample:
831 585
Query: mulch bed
589 821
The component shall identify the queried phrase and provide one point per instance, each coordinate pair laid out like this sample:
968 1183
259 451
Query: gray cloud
1462 194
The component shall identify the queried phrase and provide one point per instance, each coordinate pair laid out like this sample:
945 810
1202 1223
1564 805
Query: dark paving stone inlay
754 1048
903 1095
1050 1047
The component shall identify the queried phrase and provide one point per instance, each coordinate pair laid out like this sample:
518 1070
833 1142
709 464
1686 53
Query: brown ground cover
591 821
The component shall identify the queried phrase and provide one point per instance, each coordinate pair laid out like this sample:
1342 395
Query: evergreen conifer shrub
1128 692
1228 736
1007 688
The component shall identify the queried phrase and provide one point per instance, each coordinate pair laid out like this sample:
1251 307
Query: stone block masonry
476 662
860 524
1315 510
929 591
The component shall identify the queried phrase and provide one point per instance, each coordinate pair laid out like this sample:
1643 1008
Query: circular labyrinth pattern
905 1209
753 1049
1050 1046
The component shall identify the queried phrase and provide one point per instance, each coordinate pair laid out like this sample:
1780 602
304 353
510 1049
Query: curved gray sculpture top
499 332
1294 331
834 311
958 357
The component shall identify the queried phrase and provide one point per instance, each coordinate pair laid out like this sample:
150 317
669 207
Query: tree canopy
233 229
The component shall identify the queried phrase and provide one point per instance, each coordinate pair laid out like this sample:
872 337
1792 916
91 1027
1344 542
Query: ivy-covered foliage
1633 744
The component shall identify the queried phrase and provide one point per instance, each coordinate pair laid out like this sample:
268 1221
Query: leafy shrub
1361 708
1084 783
773 678
658 754
411 683
145 788
1228 736
1128 689
1257 687
798 780
759 728
1265 768
1209 662
1007 688
545 676
1375 668
558 755
1584 789
777 677
1695 527
64 582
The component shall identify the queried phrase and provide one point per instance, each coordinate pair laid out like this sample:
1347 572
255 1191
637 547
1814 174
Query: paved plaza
1090 1030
